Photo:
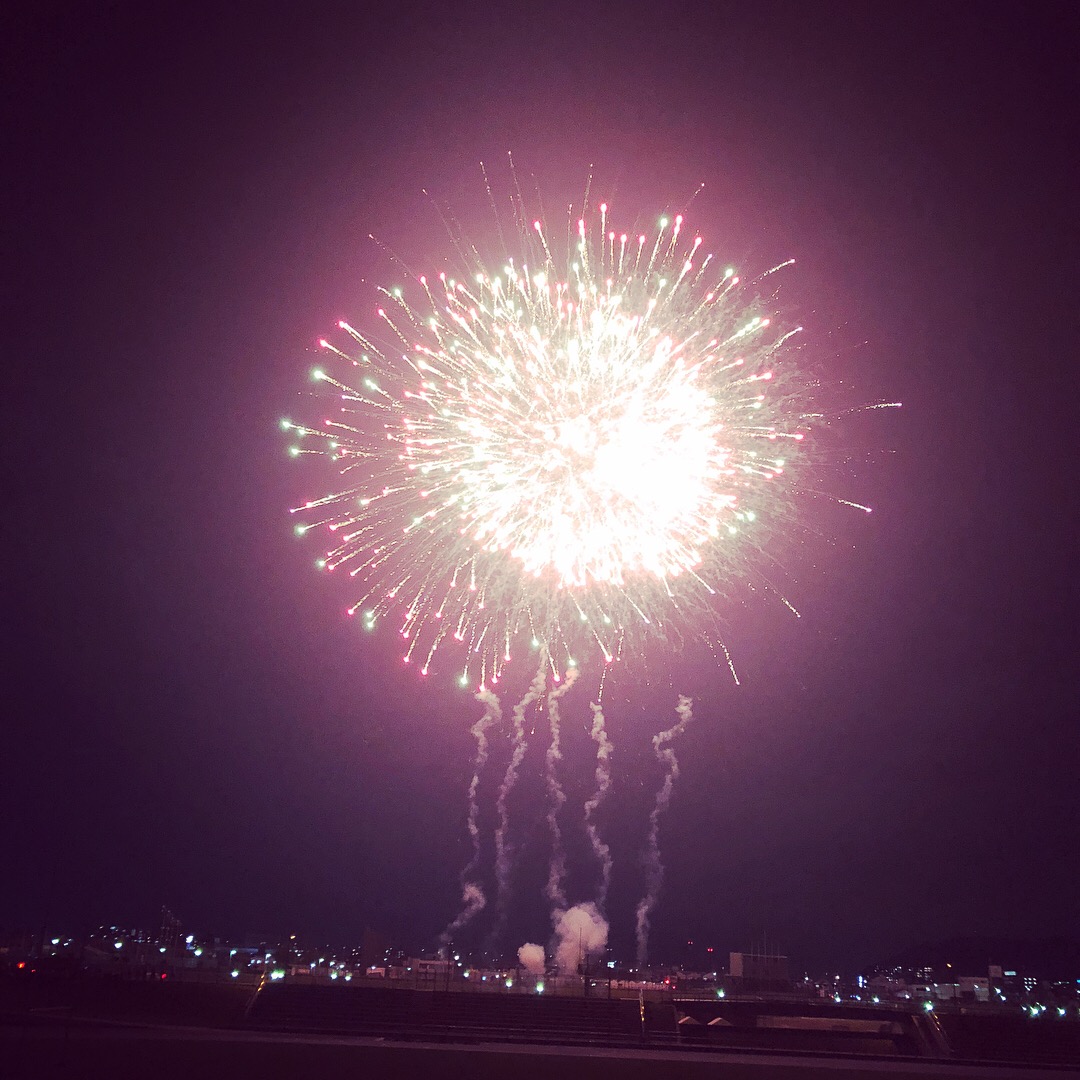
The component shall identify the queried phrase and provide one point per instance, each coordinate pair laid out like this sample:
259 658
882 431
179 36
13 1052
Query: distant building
757 972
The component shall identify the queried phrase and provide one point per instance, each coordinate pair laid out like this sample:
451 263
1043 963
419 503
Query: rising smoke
531 958
580 934
555 889
473 900
503 851
603 782
654 868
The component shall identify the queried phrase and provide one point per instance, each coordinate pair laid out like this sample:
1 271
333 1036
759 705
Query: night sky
190 720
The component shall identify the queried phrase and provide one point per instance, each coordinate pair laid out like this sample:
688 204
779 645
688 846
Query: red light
21 964
163 975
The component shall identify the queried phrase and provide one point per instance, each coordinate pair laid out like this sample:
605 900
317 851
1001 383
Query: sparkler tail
654 868
574 451
603 782
555 890
503 850
472 895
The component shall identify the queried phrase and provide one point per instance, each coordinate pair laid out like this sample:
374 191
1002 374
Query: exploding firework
571 454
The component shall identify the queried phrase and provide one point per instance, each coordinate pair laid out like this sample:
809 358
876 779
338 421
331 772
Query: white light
118 945
190 938
235 974
198 952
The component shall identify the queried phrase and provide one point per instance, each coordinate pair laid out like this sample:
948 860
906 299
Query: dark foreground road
121 1052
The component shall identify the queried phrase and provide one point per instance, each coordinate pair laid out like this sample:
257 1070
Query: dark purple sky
190 720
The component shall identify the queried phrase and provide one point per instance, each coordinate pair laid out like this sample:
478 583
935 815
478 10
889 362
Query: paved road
125 1052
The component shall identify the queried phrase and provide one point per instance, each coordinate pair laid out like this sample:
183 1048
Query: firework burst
571 453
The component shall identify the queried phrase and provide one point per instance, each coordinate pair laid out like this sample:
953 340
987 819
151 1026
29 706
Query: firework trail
555 890
582 449
654 869
472 895
503 850
603 781
473 902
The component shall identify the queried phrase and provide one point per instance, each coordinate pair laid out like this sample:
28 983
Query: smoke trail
473 902
554 890
654 869
603 782
472 896
503 853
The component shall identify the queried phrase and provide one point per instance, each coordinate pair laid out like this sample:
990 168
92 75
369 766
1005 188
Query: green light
294 451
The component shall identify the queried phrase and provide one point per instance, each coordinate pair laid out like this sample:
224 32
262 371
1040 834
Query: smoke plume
473 902
554 890
472 896
531 958
503 852
654 869
603 782
580 933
